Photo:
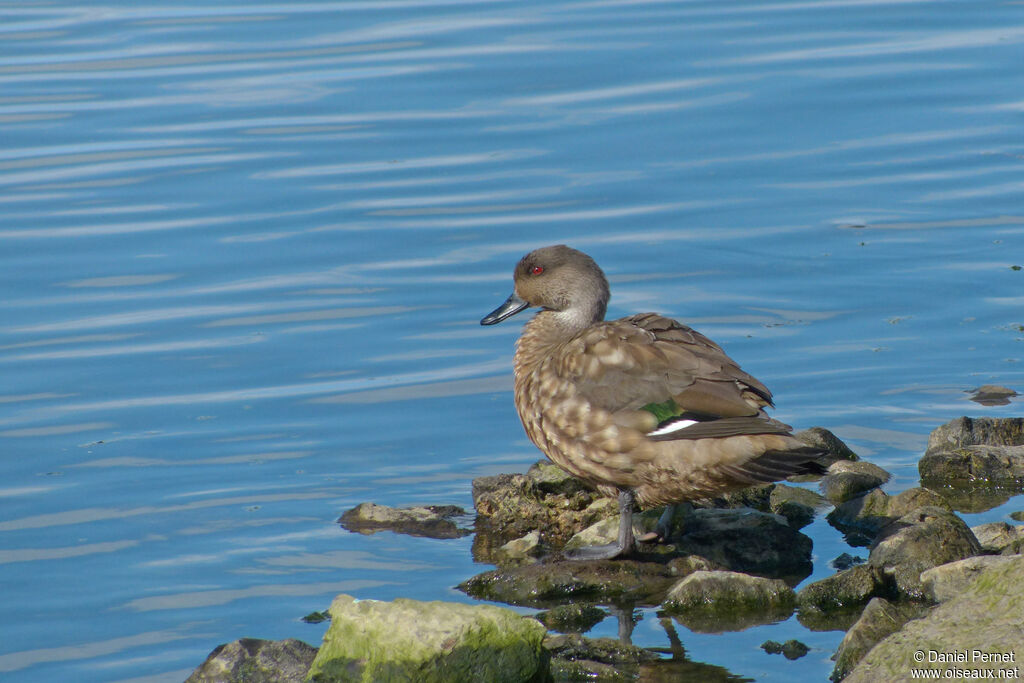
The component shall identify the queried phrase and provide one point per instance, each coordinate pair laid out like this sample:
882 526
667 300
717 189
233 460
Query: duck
642 408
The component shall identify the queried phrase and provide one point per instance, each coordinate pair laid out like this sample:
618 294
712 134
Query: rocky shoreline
930 583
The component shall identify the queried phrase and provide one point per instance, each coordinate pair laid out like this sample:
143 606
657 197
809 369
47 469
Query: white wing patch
672 427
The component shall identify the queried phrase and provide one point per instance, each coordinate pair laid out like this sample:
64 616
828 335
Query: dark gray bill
512 305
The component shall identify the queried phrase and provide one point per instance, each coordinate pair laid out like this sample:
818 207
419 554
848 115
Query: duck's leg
663 528
623 545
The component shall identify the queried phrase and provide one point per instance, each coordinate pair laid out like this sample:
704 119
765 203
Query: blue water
244 248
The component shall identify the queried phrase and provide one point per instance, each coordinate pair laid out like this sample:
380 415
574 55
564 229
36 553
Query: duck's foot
623 545
663 527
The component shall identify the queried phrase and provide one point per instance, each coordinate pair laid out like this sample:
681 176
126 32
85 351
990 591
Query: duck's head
559 279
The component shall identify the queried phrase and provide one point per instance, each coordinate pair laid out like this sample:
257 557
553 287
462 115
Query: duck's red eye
537 270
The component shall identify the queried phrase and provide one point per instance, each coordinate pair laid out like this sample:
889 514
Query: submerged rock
249 660
575 658
997 537
431 521
845 561
846 480
717 601
984 617
951 579
992 395
791 649
435 642
552 583
861 518
920 540
572 617
879 619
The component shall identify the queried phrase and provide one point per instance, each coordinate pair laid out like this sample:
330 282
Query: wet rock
879 619
798 505
861 518
429 641
920 540
832 445
995 537
951 579
551 583
754 497
522 549
846 479
985 617
992 395
545 499
575 658
747 541
431 521
851 587
717 601
1017 516
845 561
969 451
249 660
572 618
791 649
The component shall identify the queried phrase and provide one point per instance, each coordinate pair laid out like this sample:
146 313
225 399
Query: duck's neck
548 330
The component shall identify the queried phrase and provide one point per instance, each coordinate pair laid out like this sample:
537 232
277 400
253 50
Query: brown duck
643 406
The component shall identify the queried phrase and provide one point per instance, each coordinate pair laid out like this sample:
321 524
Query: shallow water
245 247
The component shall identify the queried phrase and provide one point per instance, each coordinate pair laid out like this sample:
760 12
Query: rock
994 537
828 442
920 540
798 505
966 431
951 579
1017 516
572 618
747 541
992 395
851 587
256 661
791 649
984 617
552 583
545 499
846 479
429 641
879 619
753 497
575 658
717 601
526 548
968 451
431 521
861 518
845 561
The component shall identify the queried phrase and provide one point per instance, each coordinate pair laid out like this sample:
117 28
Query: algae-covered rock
435 642
521 549
542 585
846 479
953 578
995 537
797 505
968 451
717 601
861 518
849 588
432 521
920 540
791 649
545 499
249 660
879 619
984 617
572 617
575 658
967 431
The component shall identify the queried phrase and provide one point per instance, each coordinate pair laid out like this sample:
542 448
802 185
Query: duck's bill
512 305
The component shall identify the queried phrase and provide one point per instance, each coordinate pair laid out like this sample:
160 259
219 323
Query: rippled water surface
244 249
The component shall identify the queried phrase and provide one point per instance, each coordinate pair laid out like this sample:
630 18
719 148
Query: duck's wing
648 365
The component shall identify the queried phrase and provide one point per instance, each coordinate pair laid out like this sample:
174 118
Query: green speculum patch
664 410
